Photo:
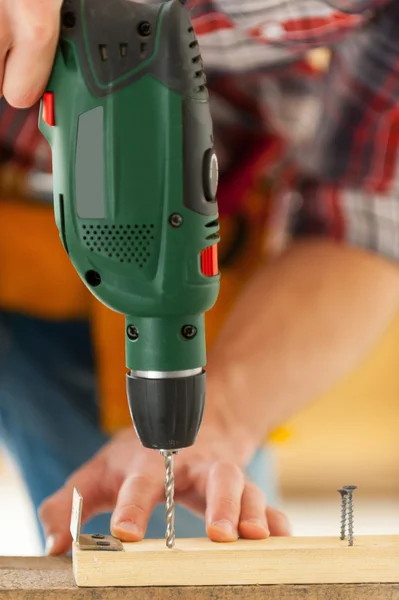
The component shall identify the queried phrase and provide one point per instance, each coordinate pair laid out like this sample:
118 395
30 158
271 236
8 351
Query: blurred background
349 436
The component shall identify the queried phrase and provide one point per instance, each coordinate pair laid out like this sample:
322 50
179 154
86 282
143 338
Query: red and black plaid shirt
330 139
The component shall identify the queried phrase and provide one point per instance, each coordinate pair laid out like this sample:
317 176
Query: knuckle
36 23
41 34
129 508
228 504
139 482
228 468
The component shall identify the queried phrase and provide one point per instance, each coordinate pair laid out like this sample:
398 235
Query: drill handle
118 42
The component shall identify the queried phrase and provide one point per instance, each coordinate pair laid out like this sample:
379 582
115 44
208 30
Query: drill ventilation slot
196 60
103 52
122 243
215 234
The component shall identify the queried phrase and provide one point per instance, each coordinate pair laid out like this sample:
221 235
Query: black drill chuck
166 411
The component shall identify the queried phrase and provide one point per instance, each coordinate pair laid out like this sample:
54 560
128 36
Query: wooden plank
295 560
51 579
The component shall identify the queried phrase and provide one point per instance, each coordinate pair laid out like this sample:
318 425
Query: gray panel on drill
178 64
197 139
89 167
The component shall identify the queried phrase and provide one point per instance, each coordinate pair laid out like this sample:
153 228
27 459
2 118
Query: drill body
126 113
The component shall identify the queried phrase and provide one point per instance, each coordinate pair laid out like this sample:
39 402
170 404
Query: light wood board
200 562
28 578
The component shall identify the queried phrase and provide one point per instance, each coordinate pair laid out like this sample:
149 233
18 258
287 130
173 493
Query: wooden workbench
52 579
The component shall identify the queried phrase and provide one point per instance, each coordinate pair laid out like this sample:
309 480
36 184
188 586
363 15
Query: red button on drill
209 261
48 109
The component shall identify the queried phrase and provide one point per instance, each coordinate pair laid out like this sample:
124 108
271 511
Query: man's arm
303 322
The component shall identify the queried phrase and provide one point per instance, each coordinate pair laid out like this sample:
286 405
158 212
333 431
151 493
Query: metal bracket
95 541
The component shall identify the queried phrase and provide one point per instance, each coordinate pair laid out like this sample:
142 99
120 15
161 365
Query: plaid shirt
328 139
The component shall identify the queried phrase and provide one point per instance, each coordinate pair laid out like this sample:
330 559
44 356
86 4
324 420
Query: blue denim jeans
49 414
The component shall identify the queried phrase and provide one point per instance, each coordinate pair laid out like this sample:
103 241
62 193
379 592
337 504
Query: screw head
189 332
343 492
132 333
98 536
145 28
93 278
69 20
176 220
103 544
350 488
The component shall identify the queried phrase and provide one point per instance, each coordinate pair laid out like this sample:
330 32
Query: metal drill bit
344 495
350 489
169 493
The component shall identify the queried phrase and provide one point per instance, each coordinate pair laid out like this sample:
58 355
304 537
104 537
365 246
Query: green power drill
126 113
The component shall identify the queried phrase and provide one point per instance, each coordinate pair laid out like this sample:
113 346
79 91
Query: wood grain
373 559
51 578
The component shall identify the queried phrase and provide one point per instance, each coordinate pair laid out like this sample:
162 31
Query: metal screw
145 28
132 333
93 278
105 544
176 220
344 495
98 536
69 20
188 331
350 489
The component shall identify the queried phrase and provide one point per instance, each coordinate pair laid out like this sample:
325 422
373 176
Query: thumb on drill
55 511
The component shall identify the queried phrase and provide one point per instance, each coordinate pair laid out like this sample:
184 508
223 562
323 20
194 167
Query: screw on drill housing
350 489
98 536
144 28
93 278
132 333
344 495
176 220
69 20
189 332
